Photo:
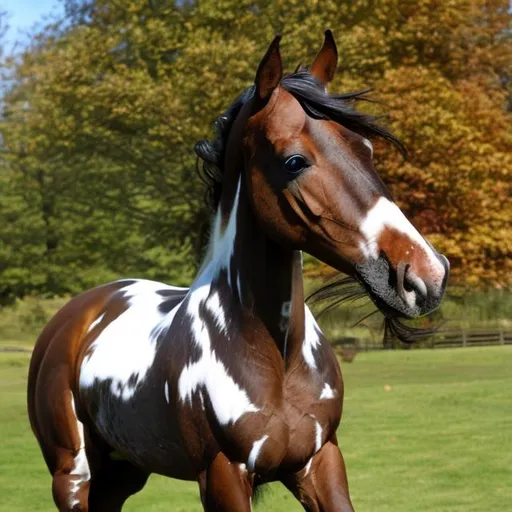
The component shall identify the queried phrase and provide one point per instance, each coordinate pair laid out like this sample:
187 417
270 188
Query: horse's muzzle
401 291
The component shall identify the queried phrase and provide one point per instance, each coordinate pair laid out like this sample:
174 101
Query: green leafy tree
105 108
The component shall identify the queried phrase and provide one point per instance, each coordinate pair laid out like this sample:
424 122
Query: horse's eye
295 164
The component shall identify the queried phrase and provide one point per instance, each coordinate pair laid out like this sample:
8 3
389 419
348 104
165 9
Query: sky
23 14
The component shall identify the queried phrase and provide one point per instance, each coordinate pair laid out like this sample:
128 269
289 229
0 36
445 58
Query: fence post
502 337
464 339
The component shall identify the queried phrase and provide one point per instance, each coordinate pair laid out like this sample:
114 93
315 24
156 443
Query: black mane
315 101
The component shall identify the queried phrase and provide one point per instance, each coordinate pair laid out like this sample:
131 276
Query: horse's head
313 186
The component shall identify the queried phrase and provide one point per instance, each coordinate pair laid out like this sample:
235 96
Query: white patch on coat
311 338
255 451
318 444
222 243
80 472
229 401
308 466
327 392
166 391
384 214
318 436
95 323
127 346
215 307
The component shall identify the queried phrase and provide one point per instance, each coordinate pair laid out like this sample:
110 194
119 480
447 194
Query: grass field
438 437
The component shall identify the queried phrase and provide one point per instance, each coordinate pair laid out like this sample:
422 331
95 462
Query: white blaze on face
385 214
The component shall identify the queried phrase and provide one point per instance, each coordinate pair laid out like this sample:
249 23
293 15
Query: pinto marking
80 472
228 399
318 436
222 244
215 307
95 323
255 451
311 338
166 391
134 334
327 392
307 467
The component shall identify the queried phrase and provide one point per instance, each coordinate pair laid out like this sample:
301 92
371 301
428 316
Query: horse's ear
324 65
269 71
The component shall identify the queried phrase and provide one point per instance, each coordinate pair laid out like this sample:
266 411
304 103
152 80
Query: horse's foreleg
113 484
322 484
60 434
225 486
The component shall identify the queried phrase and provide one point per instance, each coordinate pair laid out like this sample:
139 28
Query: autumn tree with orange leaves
99 122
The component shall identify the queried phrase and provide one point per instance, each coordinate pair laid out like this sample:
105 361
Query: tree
106 107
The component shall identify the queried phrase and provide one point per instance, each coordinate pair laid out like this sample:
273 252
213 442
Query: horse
231 382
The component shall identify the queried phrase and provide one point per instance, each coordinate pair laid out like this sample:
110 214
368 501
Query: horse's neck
256 275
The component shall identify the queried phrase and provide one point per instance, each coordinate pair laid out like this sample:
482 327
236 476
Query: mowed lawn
422 431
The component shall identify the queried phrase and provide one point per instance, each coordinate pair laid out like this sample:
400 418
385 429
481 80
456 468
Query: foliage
97 176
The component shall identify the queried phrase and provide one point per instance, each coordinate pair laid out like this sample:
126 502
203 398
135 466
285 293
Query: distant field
439 440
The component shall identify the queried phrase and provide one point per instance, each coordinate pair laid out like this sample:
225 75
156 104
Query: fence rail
452 338
471 338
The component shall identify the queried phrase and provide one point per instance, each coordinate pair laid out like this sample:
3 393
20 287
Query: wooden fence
471 338
450 338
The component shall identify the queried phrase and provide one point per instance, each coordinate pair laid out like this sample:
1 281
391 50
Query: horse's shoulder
122 339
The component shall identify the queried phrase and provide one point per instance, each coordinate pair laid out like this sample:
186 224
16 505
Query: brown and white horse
231 382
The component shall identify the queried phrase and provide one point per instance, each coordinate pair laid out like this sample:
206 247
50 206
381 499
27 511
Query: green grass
440 439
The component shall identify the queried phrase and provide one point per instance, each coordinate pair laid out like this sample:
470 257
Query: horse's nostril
410 287
412 282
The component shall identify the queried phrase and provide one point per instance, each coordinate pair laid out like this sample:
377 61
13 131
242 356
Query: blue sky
23 14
